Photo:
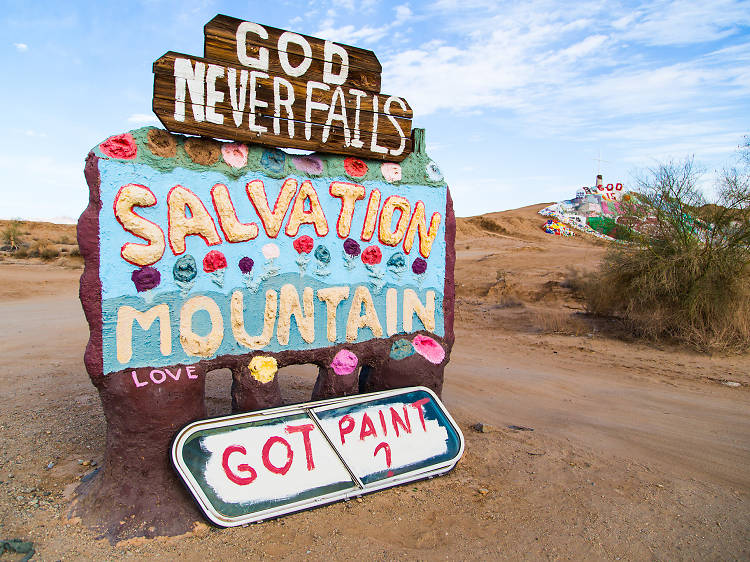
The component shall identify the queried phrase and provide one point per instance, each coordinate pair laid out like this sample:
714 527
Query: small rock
93 463
520 428
732 384
359 500
80 461
483 428
86 463
11 475
50 465
483 491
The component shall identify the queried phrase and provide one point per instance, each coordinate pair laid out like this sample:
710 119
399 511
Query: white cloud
683 22
350 34
142 118
21 47
403 13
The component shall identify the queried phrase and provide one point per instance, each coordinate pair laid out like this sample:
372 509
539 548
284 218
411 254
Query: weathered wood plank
237 112
387 135
164 68
335 144
220 42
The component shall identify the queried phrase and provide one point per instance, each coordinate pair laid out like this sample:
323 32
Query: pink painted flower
303 244
121 146
429 349
391 171
214 260
355 167
235 154
372 255
312 165
344 362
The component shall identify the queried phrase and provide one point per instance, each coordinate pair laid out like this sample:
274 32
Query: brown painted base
137 493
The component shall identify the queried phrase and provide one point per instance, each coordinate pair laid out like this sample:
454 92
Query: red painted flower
355 167
214 260
372 255
303 244
120 146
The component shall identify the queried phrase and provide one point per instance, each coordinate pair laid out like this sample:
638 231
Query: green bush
12 234
687 276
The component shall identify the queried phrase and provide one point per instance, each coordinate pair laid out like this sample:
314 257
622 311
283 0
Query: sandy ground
638 451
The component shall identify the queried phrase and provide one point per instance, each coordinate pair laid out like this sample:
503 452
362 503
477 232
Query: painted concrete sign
278 88
249 467
203 255
260 253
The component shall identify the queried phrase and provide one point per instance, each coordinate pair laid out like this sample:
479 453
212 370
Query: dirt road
637 451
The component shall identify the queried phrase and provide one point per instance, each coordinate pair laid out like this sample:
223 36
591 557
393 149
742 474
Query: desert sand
618 449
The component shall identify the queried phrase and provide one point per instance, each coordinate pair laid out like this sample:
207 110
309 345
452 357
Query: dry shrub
489 225
577 282
11 234
558 322
685 280
41 249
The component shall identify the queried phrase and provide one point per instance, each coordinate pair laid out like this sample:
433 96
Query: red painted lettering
418 405
267 460
343 430
367 428
241 480
396 421
382 423
305 431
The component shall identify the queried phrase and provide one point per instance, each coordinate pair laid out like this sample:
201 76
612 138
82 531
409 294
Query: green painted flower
401 349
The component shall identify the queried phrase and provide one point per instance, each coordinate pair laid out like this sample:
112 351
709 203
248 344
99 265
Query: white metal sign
248 467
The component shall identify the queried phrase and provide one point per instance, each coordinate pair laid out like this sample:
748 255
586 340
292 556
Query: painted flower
401 349
184 269
145 278
355 167
397 261
433 172
235 154
303 244
344 362
246 265
273 160
351 247
263 368
391 171
312 165
121 146
419 266
270 251
322 254
429 349
372 255
214 261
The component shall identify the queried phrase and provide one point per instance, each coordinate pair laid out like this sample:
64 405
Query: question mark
387 448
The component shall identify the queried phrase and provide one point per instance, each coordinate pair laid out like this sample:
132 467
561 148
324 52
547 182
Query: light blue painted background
118 289
115 272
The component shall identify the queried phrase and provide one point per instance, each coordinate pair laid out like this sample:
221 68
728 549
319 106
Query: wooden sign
278 88
249 467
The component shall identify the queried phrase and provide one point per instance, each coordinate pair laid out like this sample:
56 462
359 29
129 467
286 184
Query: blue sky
519 99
